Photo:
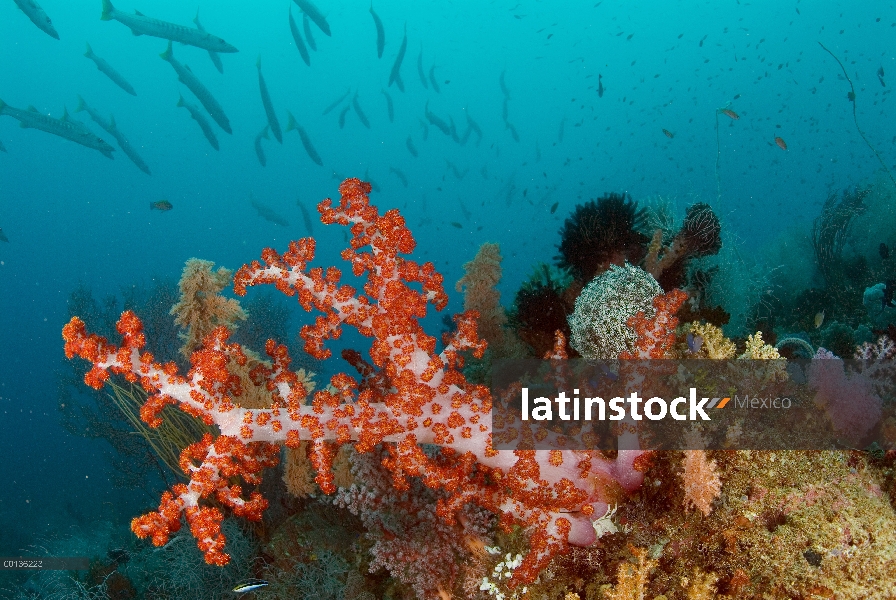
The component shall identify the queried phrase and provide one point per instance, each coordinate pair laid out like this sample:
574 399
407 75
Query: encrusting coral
599 324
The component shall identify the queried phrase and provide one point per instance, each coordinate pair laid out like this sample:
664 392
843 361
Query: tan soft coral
202 307
480 288
701 481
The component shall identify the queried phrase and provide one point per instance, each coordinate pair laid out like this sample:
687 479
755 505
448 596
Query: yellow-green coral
757 349
715 345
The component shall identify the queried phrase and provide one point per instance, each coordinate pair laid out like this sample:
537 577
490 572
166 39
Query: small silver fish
250 585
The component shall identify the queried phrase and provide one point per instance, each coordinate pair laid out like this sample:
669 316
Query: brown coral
202 307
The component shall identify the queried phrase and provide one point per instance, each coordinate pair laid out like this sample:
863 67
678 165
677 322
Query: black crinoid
541 307
701 230
700 235
601 233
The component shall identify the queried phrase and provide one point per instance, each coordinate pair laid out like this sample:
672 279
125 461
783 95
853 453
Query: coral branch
410 395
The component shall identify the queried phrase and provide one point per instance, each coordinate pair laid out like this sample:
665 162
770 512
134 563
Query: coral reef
422 505
402 401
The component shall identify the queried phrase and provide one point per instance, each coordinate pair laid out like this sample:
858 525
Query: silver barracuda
216 60
186 77
314 14
112 129
66 127
306 140
268 105
107 70
140 24
201 120
37 15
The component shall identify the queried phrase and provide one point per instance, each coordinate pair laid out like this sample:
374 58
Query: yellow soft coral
757 349
715 345
763 373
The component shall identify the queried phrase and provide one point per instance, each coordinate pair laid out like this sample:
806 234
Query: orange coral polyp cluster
408 394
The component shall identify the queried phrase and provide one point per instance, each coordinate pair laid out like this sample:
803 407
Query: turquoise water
74 217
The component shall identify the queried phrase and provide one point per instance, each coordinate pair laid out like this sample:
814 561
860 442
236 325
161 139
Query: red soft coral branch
409 394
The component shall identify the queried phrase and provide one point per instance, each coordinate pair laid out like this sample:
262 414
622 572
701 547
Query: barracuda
186 77
66 127
140 24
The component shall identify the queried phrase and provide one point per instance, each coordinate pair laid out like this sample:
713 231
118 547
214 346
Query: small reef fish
140 24
456 224
315 15
554 207
2 147
268 105
411 148
3 237
250 585
162 205
37 15
729 113
819 319
395 74
880 76
66 127
457 172
342 114
420 72
889 293
781 143
380 32
884 251
389 108
297 38
107 70
267 213
358 111
259 151
432 79
186 77
337 102
436 120
306 27
600 86
513 132
306 217
668 134
306 141
200 119
695 342
474 127
503 84
216 60
113 130
398 173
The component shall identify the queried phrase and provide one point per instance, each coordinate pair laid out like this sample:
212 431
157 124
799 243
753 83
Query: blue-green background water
74 217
